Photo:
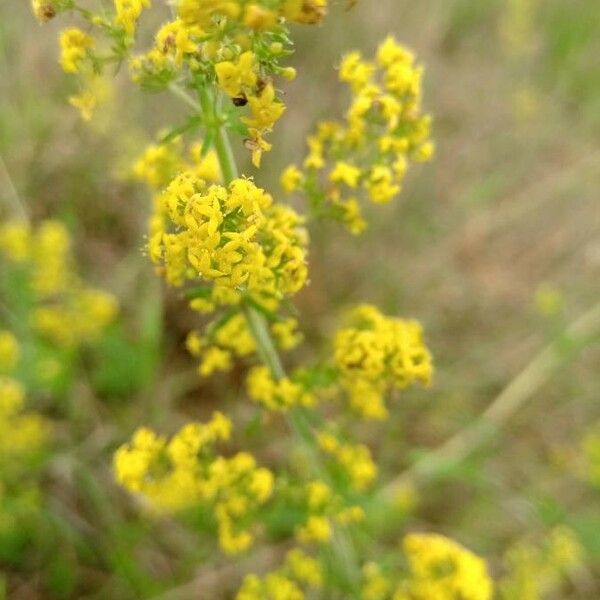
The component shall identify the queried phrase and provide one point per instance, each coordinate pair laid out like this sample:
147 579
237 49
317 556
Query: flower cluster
241 67
236 44
233 237
298 573
74 45
127 13
540 570
185 471
79 56
229 337
240 81
438 567
255 15
227 244
383 131
375 354
325 510
277 394
374 583
64 310
352 461
442 568
160 163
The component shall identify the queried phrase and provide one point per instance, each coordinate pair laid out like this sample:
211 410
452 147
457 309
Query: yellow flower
131 463
274 586
384 128
185 471
318 495
15 240
351 214
305 11
259 18
128 12
22 434
74 45
356 71
380 184
85 102
234 237
304 568
351 514
234 78
355 460
257 145
441 568
158 164
200 13
276 395
376 353
12 396
65 311
316 529
265 109
390 52
298 571
375 585
315 159
205 166
345 173
177 38
537 570
424 152
291 179
214 359
51 247
286 334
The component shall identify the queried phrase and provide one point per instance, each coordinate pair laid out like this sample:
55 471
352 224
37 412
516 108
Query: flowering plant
238 254
241 255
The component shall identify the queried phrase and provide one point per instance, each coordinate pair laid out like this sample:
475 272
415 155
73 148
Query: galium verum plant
239 255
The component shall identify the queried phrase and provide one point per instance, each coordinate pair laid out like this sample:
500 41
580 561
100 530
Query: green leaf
207 143
191 124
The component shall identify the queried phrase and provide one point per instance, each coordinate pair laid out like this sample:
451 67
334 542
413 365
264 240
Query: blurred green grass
510 203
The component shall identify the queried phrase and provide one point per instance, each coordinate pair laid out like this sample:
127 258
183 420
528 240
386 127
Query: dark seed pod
48 12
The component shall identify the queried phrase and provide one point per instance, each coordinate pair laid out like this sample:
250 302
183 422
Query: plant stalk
259 328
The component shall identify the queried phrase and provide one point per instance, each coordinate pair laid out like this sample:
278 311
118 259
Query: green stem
256 321
264 343
184 97
259 328
215 128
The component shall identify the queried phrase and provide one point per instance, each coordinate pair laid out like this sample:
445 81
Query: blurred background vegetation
495 246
